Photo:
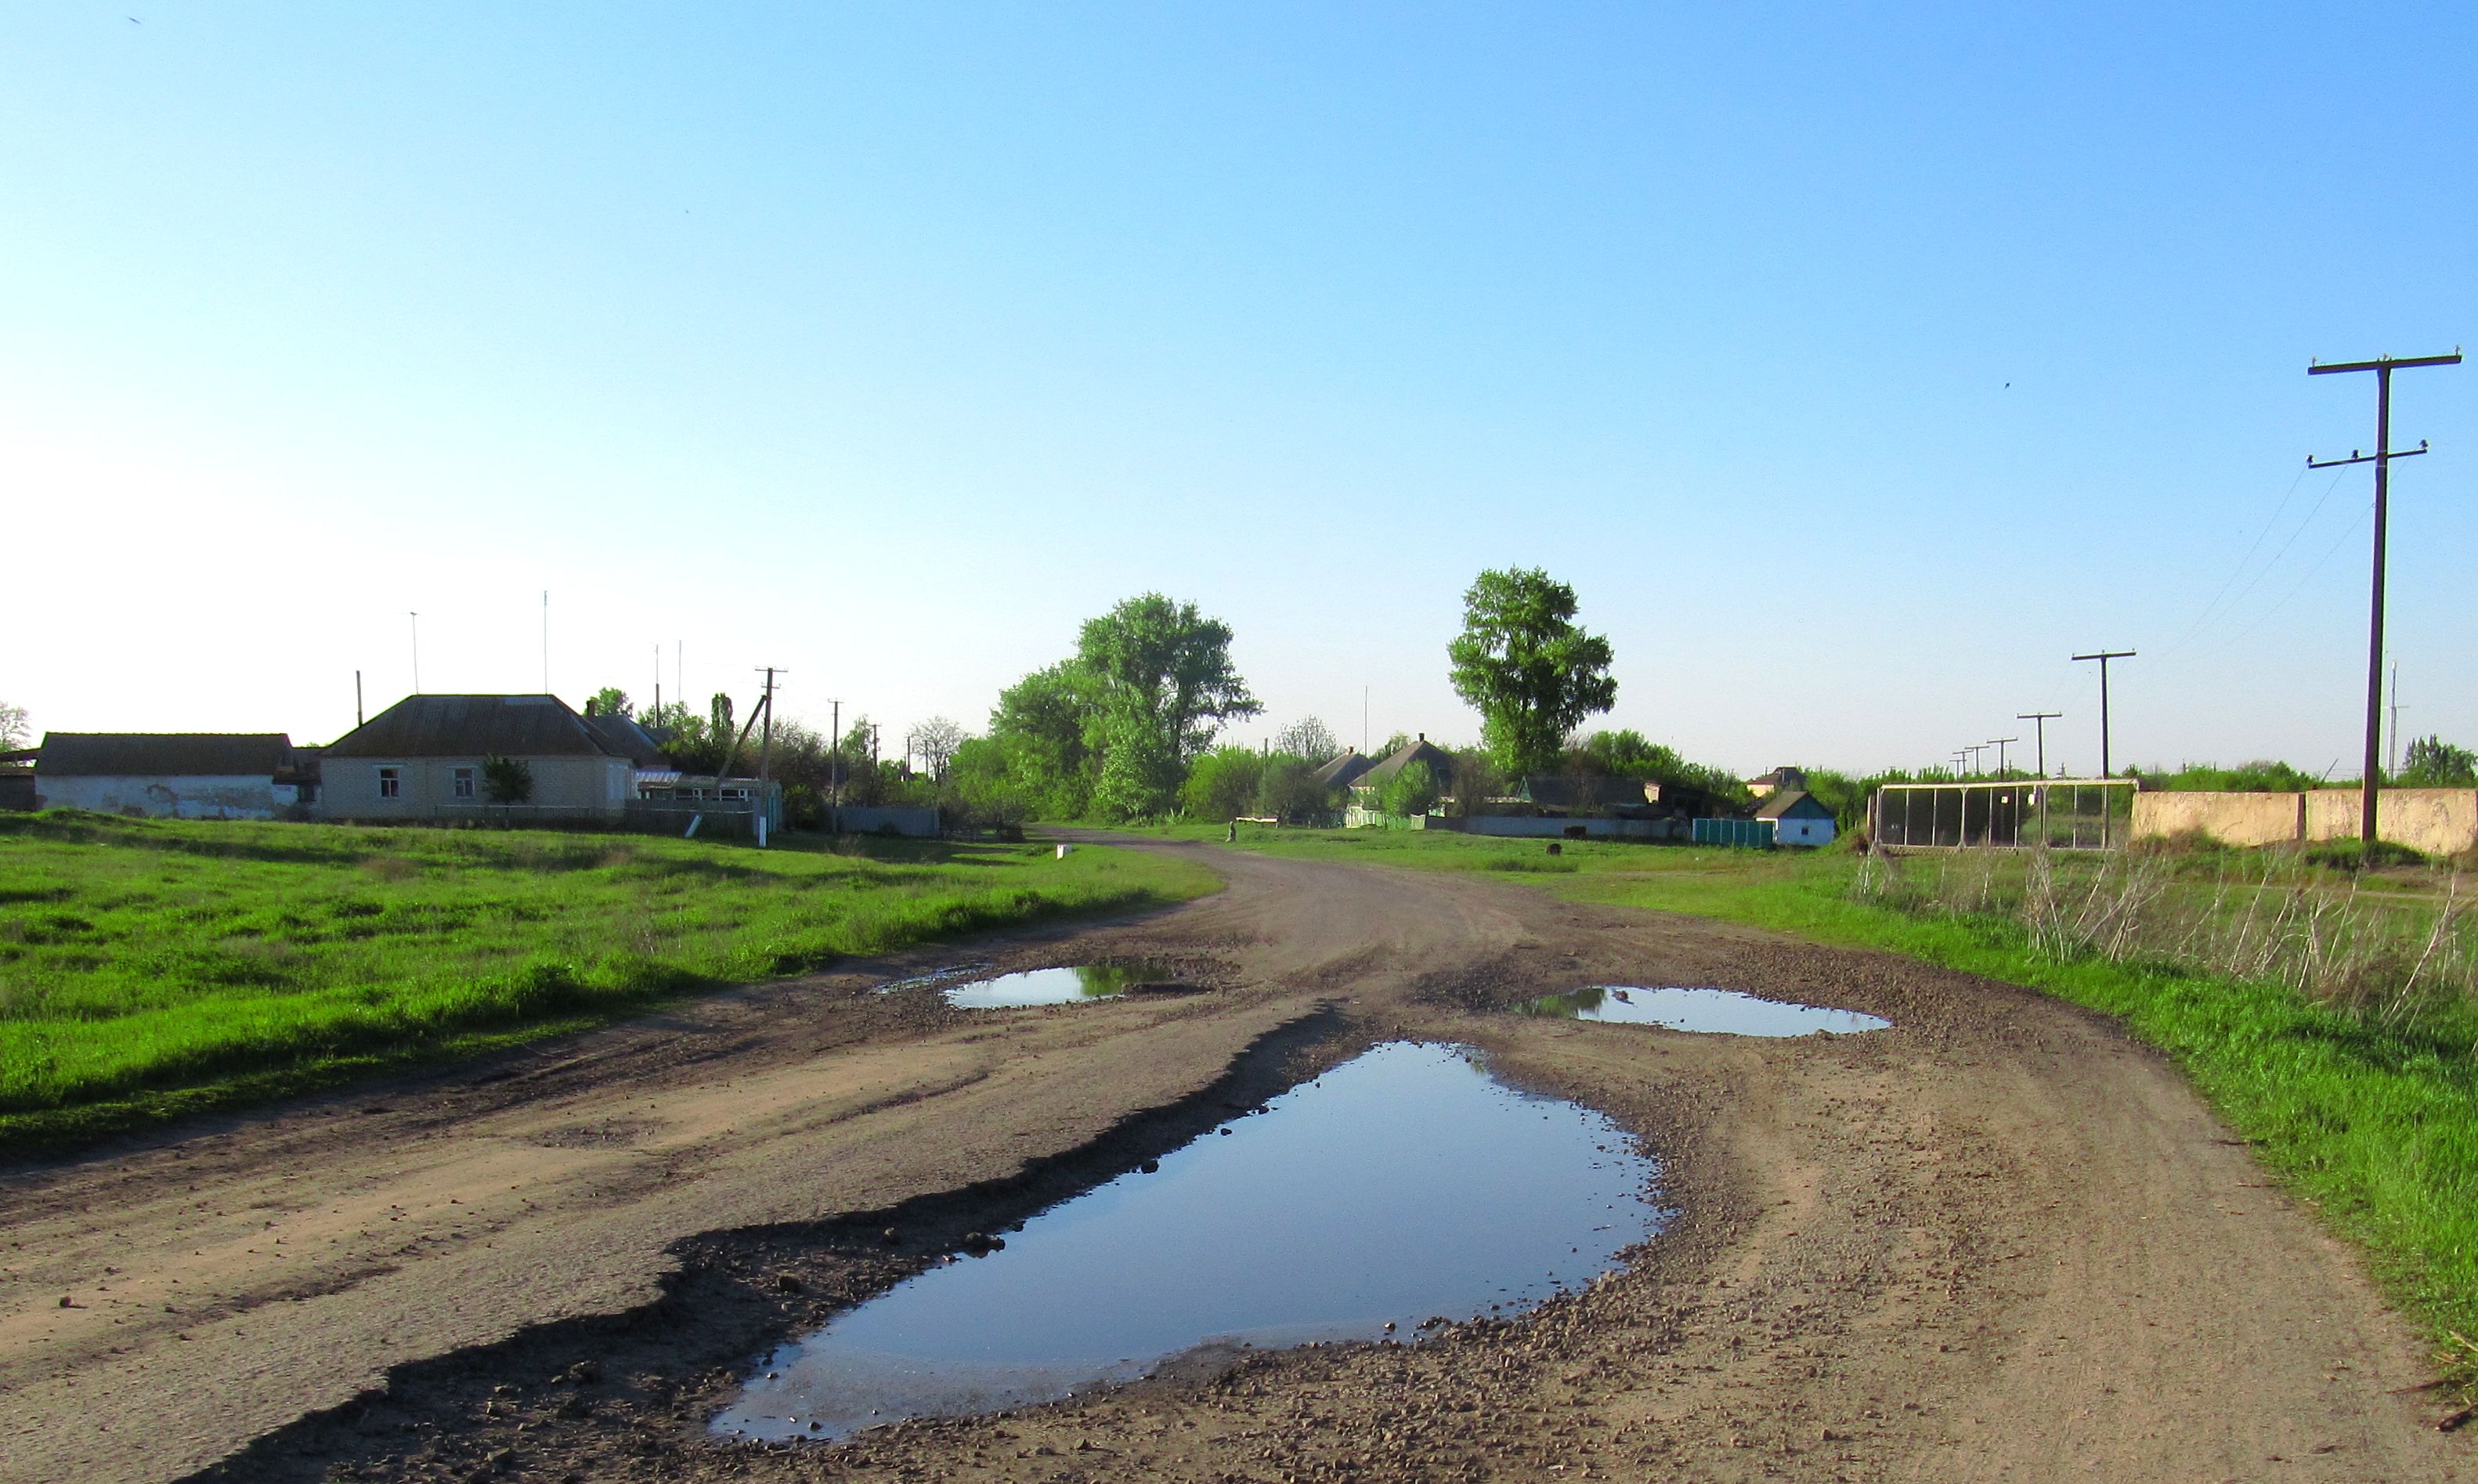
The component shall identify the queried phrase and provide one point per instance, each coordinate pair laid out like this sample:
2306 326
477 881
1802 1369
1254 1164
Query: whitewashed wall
213 797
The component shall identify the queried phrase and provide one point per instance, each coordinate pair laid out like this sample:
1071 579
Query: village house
1780 778
180 775
423 758
1798 817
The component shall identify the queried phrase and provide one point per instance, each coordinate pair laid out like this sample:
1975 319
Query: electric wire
2238 570
2268 567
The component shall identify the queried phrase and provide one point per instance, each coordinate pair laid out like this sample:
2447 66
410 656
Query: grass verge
154 968
2375 1125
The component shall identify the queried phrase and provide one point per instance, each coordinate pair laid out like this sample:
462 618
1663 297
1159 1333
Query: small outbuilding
169 775
1798 817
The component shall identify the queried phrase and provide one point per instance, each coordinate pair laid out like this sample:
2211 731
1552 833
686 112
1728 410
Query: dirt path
1998 1241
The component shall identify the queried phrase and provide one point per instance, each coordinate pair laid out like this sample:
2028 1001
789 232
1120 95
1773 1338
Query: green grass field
150 967
2375 1123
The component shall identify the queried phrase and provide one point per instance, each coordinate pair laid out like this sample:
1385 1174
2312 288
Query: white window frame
391 783
462 785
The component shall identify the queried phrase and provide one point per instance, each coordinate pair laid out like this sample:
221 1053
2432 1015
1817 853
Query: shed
1798 817
175 775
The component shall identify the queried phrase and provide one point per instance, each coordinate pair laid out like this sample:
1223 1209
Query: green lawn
149 967
2375 1125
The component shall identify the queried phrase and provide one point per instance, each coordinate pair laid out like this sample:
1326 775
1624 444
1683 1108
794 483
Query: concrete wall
348 787
1542 827
2231 819
2435 821
915 820
240 797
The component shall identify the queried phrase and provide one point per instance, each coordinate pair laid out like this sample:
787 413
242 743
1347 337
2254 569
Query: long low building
182 775
426 759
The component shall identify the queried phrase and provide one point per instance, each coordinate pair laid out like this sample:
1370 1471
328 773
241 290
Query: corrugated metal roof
472 726
164 754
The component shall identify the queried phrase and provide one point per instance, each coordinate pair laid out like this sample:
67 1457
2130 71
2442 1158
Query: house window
390 782
464 783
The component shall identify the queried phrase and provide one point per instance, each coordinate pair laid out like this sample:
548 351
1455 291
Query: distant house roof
1781 778
164 754
624 737
1343 772
1440 762
1793 803
472 726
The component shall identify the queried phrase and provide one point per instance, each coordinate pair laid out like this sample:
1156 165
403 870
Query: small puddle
1054 986
1725 1012
1403 1185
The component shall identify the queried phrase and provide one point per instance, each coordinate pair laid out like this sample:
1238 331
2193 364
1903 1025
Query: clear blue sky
886 344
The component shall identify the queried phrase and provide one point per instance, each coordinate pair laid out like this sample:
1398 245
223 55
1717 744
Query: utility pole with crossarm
2383 366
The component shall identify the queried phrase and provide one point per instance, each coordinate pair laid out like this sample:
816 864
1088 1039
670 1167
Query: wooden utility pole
2383 366
2039 721
357 697
765 745
2103 657
416 650
835 770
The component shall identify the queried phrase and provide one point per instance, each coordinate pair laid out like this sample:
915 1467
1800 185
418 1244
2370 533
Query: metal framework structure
2058 813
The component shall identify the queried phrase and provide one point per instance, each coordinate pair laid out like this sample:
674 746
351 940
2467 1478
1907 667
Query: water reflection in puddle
1051 987
1724 1011
1402 1185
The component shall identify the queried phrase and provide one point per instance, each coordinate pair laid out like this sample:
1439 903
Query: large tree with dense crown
1531 673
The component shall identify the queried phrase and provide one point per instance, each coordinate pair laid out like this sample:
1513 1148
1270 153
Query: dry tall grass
2265 916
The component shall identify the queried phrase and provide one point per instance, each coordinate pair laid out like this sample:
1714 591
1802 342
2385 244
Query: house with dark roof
1798 817
423 758
177 775
1343 772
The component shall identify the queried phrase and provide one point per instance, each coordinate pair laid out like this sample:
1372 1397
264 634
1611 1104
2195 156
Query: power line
2238 570
2039 721
2382 459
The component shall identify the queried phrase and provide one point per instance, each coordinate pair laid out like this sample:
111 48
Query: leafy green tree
2436 764
1413 791
1221 783
1530 672
1165 667
507 780
1114 729
611 701
1287 789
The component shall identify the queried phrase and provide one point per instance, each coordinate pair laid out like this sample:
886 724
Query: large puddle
1726 1012
1052 985
1403 1184
1067 986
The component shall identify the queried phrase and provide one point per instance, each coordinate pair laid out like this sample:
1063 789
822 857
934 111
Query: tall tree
1309 738
1522 661
13 731
611 701
1166 668
936 740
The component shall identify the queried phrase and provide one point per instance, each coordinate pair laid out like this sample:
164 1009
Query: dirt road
1998 1241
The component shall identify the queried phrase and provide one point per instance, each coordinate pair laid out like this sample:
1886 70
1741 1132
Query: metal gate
2058 813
